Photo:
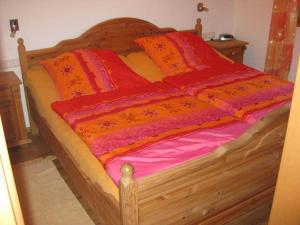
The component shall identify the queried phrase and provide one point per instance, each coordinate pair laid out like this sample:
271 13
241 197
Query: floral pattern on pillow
179 52
90 71
74 74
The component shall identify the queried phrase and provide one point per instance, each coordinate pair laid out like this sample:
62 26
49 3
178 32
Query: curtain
281 37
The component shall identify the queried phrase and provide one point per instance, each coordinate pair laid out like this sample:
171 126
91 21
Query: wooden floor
38 148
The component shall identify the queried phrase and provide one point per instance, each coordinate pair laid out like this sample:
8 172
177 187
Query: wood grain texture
227 186
128 196
198 190
115 34
24 67
11 110
248 212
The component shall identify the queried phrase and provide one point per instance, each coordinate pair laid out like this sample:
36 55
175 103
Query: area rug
45 197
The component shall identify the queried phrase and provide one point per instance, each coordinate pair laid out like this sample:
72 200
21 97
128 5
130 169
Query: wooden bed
233 185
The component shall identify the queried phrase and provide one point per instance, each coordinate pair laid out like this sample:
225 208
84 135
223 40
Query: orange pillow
90 71
179 52
165 54
69 76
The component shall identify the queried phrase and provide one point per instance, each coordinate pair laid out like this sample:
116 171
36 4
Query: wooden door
286 204
10 210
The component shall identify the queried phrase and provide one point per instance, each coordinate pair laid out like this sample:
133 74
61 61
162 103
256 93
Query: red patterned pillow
90 71
179 52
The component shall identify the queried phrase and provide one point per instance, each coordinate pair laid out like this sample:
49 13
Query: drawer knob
233 53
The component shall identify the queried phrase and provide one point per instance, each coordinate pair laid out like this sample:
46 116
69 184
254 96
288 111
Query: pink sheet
166 154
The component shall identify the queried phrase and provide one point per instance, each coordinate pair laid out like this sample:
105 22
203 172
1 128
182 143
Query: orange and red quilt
240 90
118 123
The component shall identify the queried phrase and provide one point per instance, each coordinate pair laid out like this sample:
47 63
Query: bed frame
233 186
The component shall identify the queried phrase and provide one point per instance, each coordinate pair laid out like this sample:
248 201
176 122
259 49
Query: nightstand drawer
232 52
233 49
236 54
5 95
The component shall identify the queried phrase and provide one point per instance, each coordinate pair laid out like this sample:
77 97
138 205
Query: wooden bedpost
198 27
24 68
23 59
128 196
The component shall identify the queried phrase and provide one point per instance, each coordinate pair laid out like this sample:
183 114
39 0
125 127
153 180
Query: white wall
296 54
252 21
44 23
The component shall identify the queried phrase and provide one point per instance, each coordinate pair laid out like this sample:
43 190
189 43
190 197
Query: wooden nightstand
11 110
233 49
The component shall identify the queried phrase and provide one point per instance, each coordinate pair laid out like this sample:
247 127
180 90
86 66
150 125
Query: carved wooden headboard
115 34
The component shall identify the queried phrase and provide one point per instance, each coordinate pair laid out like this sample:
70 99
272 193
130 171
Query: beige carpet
45 197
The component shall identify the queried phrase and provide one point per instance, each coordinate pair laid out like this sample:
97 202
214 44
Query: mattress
144 66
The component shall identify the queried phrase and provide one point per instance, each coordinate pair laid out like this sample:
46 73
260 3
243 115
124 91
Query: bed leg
128 196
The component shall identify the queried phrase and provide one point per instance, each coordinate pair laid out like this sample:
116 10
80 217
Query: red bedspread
118 123
236 88
197 80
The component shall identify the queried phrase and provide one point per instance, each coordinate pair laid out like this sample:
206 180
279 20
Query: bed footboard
234 185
